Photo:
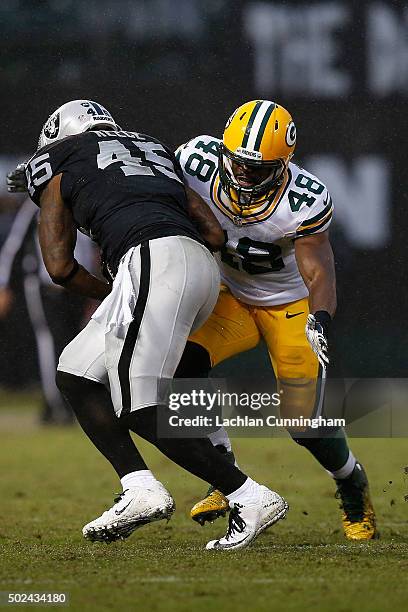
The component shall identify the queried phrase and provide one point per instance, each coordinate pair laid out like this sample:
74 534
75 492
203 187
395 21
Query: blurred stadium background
177 68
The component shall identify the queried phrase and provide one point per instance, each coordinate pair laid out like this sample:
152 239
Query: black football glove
16 180
316 332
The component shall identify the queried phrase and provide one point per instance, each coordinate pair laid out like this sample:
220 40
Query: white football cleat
133 508
247 521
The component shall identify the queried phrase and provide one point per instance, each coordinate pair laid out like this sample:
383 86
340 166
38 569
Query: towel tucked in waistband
117 308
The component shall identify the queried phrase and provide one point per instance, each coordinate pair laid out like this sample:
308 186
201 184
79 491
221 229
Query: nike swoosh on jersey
295 314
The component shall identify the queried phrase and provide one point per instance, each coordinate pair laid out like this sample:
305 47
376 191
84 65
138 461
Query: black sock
92 405
196 455
332 453
194 363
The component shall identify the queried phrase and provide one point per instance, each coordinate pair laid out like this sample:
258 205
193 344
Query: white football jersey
258 263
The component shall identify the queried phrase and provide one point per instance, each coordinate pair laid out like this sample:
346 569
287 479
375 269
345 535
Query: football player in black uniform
126 191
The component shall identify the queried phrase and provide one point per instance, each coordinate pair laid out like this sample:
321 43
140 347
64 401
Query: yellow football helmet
259 134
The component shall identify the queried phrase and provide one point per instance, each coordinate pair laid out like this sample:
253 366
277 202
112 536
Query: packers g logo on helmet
261 134
291 134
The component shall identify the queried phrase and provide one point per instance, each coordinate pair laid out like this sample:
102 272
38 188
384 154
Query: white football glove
317 339
16 179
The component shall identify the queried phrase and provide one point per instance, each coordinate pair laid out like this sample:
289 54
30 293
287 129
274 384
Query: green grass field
53 481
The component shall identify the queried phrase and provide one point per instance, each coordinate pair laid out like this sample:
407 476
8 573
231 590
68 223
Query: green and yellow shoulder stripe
319 222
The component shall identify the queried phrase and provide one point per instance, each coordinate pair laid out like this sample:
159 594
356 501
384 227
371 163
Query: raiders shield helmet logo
51 128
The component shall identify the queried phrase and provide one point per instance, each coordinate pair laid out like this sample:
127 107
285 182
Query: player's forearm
205 220
84 283
322 291
68 273
57 234
212 234
315 260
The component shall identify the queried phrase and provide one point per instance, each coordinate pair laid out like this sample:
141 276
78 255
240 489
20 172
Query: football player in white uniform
278 278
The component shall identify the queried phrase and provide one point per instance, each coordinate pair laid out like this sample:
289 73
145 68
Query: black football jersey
122 187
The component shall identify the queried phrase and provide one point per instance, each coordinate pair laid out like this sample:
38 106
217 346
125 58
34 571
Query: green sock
332 453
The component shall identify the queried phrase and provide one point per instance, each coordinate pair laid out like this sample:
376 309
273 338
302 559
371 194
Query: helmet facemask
245 197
